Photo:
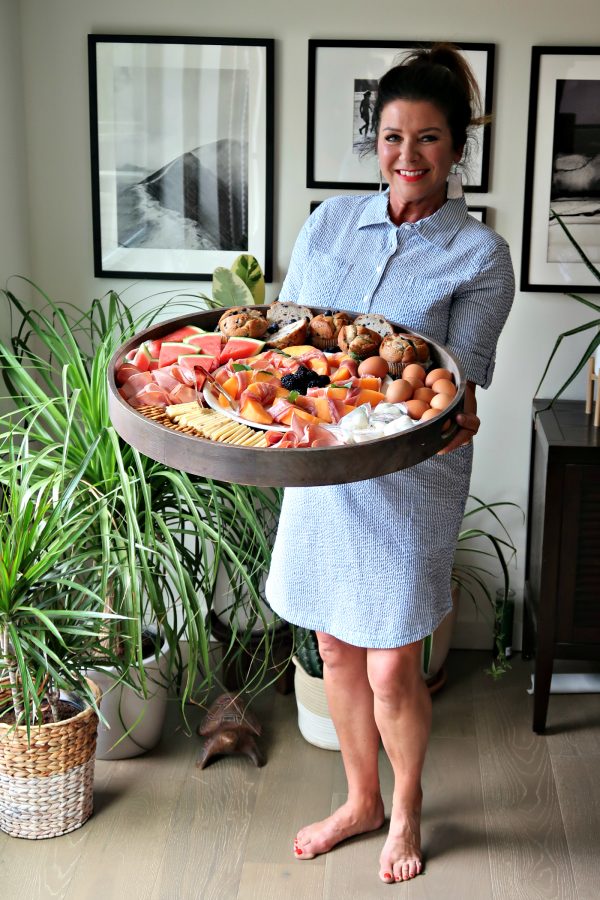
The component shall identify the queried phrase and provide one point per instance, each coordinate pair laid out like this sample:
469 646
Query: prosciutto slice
302 434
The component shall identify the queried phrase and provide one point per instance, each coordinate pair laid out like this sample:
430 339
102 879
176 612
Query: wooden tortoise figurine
229 728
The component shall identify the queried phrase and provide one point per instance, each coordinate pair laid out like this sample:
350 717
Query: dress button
366 298
379 268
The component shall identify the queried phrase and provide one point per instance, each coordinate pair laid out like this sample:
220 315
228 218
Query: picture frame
563 151
181 146
335 135
480 212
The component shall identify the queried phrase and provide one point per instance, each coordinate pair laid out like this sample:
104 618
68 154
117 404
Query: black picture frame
181 146
480 212
333 148
564 80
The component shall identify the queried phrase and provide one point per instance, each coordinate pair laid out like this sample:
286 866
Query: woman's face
415 151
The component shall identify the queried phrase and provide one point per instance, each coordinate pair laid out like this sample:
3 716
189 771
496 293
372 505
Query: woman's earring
455 188
380 181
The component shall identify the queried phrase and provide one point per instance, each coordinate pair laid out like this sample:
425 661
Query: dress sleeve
292 284
478 313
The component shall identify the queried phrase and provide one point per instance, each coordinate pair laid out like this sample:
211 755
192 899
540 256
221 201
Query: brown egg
416 408
375 366
416 382
399 391
424 394
414 370
443 386
436 374
430 414
441 401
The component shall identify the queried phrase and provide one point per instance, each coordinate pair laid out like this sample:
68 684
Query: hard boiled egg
399 391
375 366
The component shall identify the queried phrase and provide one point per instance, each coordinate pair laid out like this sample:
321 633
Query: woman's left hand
467 421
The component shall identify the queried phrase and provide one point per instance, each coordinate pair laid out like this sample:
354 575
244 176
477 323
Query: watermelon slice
240 348
170 352
143 359
209 343
197 359
182 333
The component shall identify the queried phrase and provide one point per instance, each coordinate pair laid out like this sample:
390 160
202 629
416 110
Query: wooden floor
508 815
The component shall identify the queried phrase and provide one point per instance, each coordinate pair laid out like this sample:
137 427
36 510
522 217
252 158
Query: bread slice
290 335
376 323
284 313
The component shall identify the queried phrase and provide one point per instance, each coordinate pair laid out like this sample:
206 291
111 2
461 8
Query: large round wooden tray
270 467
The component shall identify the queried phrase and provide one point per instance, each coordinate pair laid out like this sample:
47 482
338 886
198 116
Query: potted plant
470 574
161 535
51 631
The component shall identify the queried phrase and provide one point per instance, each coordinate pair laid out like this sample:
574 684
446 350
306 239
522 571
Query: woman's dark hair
439 75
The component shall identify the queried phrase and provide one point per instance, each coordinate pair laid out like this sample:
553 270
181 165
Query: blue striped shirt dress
369 562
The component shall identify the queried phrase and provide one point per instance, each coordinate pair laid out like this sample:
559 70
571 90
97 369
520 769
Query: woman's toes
387 877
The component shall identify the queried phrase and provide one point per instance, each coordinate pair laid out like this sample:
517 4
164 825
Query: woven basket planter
46 788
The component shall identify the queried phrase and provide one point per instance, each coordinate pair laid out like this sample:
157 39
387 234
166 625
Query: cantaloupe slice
370 382
252 410
341 374
299 350
323 410
337 393
367 396
318 364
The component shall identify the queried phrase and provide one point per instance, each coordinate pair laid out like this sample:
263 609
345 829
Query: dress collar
439 228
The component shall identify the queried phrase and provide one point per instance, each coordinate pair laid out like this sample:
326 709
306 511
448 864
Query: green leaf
248 269
229 289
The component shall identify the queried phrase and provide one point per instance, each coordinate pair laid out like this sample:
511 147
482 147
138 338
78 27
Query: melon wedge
182 333
240 348
170 351
300 350
191 360
209 343
252 410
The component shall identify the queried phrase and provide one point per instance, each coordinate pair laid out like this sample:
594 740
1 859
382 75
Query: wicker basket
46 788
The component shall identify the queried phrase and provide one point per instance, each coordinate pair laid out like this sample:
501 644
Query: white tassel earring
380 181
454 190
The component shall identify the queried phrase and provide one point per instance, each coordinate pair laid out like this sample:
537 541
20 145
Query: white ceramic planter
314 721
125 708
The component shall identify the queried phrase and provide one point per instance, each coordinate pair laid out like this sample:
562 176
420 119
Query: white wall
58 170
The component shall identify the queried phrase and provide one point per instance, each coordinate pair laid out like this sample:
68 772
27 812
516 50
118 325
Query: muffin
400 350
323 330
243 321
290 335
359 341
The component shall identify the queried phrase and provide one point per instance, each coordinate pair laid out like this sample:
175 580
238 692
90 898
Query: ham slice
261 391
150 395
181 393
302 434
136 382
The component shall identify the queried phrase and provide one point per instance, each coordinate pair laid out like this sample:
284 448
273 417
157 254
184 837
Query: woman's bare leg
403 716
350 700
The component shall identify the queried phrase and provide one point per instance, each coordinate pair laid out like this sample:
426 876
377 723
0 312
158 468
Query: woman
367 565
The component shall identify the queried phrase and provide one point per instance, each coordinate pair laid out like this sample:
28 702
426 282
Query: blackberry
289 382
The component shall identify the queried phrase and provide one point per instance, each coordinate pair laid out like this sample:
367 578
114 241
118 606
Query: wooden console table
562 576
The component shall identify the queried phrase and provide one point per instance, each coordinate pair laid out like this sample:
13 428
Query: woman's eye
392 138
429 138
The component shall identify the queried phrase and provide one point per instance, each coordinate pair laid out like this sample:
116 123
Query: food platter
270 466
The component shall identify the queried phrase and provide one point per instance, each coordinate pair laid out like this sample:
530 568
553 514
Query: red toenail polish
298 851
387 874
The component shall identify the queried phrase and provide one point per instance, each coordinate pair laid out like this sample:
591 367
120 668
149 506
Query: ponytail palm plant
51 621
160 535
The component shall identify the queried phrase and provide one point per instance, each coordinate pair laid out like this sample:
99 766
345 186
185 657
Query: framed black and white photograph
562 170
342 90
181 133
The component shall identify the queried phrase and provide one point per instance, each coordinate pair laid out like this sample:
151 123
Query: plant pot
125 708
314 721
46 787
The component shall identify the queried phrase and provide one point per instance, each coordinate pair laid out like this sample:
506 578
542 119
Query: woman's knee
395 673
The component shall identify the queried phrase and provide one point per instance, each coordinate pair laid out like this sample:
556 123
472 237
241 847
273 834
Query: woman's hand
467 421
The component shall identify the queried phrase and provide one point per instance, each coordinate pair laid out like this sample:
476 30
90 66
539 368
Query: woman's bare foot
400 858
345 822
